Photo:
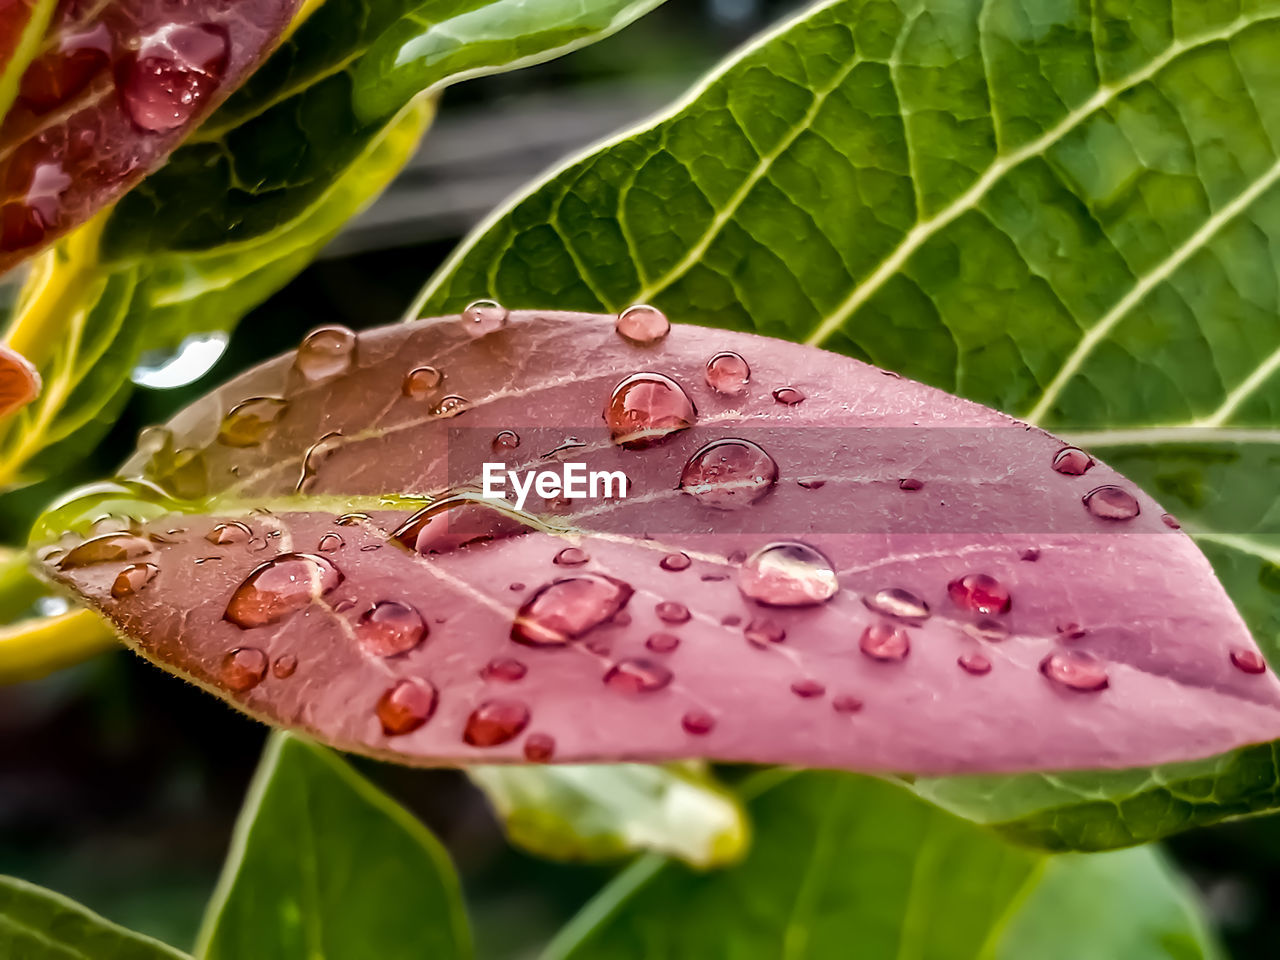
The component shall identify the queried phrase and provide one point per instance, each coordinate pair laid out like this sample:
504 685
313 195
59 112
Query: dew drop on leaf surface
390 628
637 675
662 642
243 668
808 689
1111 503
279 587
675 562
108 548
249 423
504 670
571 557
979 593
642 325
496 722
1249 661
698 723
788 396
1072 461
405 706
421 382
788 574
974 663
898 604
671 611
1075 670
505 440
539 747
728 374
284 667
132 579
326 352
646 408
762 631
484 317
729 474
565 609
883 641
227 533
165 81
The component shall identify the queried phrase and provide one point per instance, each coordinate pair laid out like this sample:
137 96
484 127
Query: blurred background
119 784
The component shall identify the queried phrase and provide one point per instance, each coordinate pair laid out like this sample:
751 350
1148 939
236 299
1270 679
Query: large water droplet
504 670
662 642
637 675
642 325
108 548
974 663
279 587
250 422
1072 461
390 628
1111 503
571 557
284 667
133 578
331 543
1250 661
243 668
326 352
728 374
729 474
485 317
788 574
883 641
675 562
495 722
698 723
1075 670
899 604
315 456
910 484
172 73
565 609
232 532
421 382
406 706
788 396
646 408
980 593
456 522
193 358
762 631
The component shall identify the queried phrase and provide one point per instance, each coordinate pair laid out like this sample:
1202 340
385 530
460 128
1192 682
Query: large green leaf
1062 209
323 864
846 866
37 924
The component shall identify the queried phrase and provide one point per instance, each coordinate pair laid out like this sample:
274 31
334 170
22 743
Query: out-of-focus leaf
31 649
1040 635
21 29
602 812
19 381
37 924
323 864
844 866
115 88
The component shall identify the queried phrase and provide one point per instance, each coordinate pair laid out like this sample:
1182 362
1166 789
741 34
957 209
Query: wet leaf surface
819 621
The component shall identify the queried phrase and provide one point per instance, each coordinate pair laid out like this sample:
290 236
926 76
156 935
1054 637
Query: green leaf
323 864
601 812
848 866
38 924
1066 210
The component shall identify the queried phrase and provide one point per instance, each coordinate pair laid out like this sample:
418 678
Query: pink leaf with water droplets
997 614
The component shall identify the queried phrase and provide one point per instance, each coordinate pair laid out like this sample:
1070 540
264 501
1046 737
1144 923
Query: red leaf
982 617
19 381
115 89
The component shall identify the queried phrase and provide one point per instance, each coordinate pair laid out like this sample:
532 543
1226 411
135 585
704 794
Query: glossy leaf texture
323 864
1062 210
771 588
845 866
114 89
38 924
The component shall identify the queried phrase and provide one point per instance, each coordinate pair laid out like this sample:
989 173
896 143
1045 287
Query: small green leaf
323 864
848 866
601 812
38 924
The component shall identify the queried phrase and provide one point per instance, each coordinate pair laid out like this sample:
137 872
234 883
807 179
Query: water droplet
504 670
812 483
506 440
787 574
133 578
646 408
729 474
456 522
484 317
698 723
675 562
1075 670
1250 661
1072 461
669 611
108 548
910 484
173 71
330 543
243 668
59 75
899 604
565 609
279 587
258 544
452 406
883 641
285 666
571 557
642 325
421 382
406 706
980 593
662 642
974 663
1170 521
789 396
515 587
1111 503
326 352
168 369
539 747
728 374
249 422
992 631
495 722
1031 555
232 532
316 455
1071 630
637 675
351 519
846 704
390 628
808 689
762 631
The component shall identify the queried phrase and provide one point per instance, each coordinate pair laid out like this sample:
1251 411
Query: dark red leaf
995 614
